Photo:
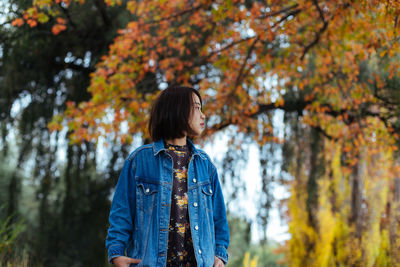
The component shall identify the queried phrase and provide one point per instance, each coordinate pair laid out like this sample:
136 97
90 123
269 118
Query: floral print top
180 244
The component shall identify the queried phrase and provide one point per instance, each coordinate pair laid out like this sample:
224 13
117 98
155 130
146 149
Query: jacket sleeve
122 212
220 221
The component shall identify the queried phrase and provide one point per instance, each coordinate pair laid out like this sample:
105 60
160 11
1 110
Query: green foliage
240 246
9 233
240 237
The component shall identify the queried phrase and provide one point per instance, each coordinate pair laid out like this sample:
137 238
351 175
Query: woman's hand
123 261
218 262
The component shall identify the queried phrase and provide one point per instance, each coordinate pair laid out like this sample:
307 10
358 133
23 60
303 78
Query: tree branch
183 12
230 45
243 66
293 13
319 33
66 13
353 115
323 28
275 13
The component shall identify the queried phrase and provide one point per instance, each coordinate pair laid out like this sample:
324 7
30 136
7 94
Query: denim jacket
140 210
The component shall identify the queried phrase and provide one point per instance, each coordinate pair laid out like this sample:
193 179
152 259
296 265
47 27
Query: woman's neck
177 141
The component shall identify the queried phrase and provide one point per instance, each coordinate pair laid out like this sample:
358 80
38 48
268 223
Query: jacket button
210 190
147 190
196 227
195 204
194 180
199 251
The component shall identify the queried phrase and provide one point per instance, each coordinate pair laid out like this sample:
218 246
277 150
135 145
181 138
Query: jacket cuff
115 251
221 253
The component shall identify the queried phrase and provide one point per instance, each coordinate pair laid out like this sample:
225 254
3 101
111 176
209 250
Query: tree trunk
356 216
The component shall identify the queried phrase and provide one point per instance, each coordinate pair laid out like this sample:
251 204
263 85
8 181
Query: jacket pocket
146 201
146 195
147 188
206 195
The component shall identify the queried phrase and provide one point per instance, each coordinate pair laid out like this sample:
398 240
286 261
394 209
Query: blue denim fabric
139 216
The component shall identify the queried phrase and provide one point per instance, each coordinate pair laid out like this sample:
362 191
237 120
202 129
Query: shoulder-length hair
169 117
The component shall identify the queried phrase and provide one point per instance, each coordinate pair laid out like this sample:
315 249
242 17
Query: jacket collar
158 146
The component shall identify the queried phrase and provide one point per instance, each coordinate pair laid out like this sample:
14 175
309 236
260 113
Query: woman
168 208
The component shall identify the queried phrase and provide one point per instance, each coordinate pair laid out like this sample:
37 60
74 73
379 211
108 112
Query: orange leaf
58 28
17 22
32 23
61 21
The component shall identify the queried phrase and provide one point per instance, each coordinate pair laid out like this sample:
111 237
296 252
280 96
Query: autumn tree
330 66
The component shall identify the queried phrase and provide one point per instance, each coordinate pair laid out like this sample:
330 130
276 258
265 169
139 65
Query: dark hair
169 118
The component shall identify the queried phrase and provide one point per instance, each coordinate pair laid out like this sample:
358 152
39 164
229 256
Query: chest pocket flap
148 188
207 190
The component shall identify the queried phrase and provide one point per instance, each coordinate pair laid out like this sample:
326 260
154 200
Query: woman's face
197 118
